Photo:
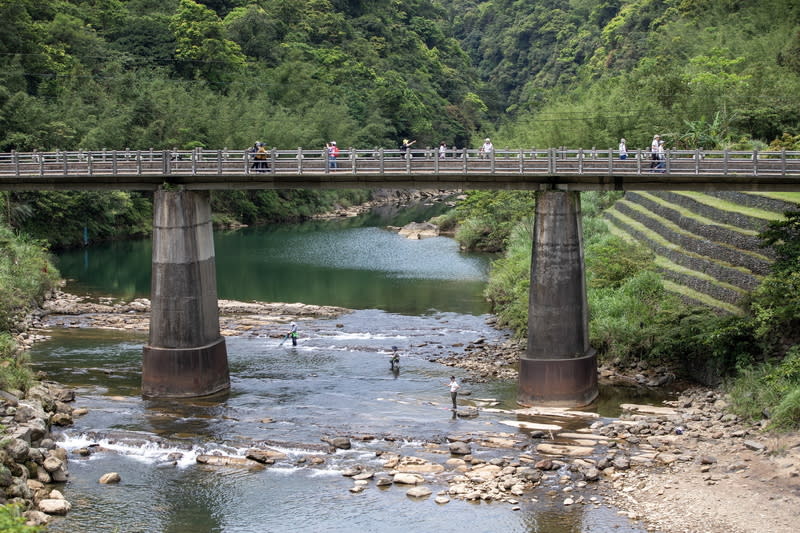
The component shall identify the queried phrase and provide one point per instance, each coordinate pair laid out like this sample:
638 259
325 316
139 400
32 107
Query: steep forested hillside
706 73
142 73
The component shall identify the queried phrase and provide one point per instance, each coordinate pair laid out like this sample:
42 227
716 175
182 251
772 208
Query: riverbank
685 466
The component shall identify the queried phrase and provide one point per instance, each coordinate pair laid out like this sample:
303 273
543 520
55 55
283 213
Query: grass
785 196
700 297
682 290
643 211
661 241
687 213
773 389
724 205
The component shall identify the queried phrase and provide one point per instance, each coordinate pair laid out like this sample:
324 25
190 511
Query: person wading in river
394 361
293 334
454 386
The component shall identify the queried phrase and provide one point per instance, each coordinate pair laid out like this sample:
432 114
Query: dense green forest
140 74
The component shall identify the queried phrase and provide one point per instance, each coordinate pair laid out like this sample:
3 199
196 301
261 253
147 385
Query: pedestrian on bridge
623 150
333 153
486 149
654 151
442 150
405 148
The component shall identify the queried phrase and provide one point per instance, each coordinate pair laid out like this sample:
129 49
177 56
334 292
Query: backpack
262 153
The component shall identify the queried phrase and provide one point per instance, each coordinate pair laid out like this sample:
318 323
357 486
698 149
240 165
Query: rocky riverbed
687 465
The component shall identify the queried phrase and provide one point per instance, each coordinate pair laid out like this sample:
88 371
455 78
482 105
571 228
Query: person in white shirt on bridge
486 149
623 149
654 151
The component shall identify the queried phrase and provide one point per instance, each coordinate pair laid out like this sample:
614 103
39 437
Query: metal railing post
66 164
611 161
436 164
352 160
521 161
580 161
465 156
273 159
15 160
668 156
697 161
381 158
113 162
138 163
219 161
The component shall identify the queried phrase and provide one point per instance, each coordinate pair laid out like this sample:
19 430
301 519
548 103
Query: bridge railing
547 161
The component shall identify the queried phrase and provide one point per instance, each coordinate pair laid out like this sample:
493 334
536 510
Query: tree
202 46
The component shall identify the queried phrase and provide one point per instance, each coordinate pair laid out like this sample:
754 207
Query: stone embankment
32 466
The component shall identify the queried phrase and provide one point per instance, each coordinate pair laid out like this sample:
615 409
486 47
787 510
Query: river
422 296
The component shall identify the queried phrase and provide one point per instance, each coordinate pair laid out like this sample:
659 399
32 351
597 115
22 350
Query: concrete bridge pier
185 355
559 368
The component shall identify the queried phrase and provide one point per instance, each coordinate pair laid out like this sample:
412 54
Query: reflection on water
352 263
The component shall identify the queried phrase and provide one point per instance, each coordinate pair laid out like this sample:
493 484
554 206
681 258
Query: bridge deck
463 169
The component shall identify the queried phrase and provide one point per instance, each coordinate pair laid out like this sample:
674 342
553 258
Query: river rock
460 448
342 443
265 456
54 506
223 460
563 449
418 465
404 478
36 518
109 478
419 492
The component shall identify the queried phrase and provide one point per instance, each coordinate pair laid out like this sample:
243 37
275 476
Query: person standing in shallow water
293 334
454 387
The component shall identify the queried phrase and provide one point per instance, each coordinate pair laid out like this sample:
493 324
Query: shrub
25 275
772 389
15 372
12 521
610 261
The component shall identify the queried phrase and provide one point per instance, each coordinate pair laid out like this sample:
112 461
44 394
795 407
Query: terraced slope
706 244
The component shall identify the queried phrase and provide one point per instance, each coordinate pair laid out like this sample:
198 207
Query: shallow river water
336 382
